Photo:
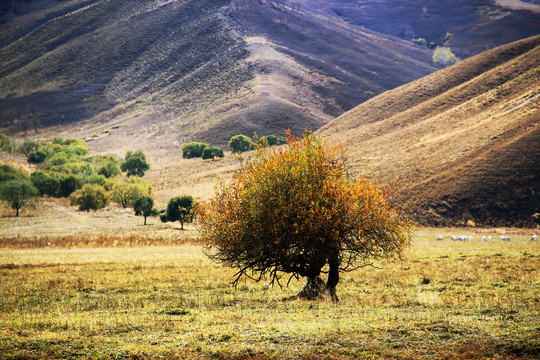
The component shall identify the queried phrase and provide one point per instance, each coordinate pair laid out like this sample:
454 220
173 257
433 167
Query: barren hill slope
463 143
158 73
154 74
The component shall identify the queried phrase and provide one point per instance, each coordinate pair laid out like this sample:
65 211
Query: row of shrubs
237 144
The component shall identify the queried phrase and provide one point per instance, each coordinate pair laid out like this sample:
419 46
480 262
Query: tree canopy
90 197
293 210
135 164
180 209
241 143
17 193
144 205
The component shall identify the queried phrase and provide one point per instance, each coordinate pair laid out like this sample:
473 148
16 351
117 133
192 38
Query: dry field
445 300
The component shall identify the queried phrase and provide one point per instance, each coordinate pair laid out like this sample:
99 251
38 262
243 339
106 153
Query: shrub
212 152
193 150
107 166
126 190
444 56
90 197
10 173
273 140
37 157
69 184
240 143
28 146
294 210
46 184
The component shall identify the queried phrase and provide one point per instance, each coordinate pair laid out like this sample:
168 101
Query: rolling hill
154 74
463 143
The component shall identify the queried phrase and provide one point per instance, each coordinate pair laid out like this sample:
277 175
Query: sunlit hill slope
463 143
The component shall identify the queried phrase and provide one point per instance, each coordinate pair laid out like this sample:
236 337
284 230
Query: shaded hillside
467 26
160 73
463 142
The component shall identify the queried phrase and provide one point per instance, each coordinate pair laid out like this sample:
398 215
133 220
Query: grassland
445 300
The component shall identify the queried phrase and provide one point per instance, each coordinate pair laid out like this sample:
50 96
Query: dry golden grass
446 300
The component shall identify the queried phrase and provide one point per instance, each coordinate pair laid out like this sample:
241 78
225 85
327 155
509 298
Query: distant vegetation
180 209
444 56
64 170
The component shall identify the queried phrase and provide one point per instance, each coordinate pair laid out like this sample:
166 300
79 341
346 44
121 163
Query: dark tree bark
333 276
314 289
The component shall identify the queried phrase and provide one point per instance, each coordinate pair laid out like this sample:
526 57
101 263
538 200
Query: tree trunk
17 212
333 276
145 220
314 288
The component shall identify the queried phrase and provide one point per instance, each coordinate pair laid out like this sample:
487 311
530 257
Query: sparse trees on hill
294 210
17 193
273 140
241 143
135 164
179 209
90 197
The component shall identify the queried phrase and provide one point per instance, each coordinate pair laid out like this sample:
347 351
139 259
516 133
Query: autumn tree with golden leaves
293 211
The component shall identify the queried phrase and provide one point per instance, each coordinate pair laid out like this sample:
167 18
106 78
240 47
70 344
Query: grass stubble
445 300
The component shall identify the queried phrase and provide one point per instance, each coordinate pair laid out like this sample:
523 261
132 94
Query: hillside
160 73
463 142
155 74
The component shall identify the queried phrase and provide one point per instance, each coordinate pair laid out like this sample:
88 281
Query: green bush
107 165
240 143
69 184
37 157
212 152
135 164
46 184
273 140
193 150
28 147
90 197
10 173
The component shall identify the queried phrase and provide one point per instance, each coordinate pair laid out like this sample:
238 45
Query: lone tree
144 205
293 210
90 197
241 143
17 193
135 164
179 208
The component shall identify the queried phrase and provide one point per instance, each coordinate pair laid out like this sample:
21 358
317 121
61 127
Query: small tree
69 184
126 190
240 143
180 209
135 164
294 210
144 205
28 146
17 193
46 184
37 157
212 152
193 150
90 197
444 56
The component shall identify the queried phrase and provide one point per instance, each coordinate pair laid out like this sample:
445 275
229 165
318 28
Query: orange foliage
293 209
